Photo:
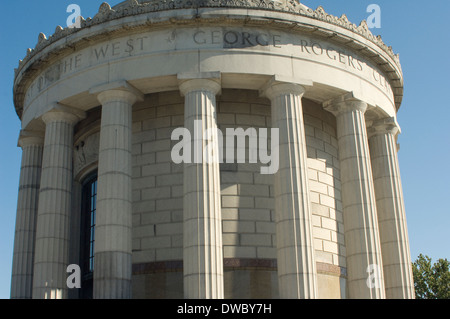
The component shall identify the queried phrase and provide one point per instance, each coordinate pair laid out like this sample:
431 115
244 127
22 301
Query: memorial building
100 189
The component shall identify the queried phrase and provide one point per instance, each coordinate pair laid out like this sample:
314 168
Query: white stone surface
296 263
202 241
146 193
27 206
113 242
158 55
52 229
391 210
360 213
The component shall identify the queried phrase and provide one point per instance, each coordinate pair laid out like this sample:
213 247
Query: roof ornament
104 13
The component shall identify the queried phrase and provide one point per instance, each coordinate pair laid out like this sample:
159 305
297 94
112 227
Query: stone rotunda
99 188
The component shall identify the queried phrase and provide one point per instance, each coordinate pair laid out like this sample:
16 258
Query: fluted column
27 206
391 210
112 250
203 251
362 238
52 230
297 275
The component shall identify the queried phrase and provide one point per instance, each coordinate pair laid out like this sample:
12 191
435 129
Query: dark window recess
88 216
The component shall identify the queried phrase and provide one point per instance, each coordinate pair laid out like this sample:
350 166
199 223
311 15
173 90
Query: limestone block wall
326 201
247 195
248 204
249 239
324 185
157 198
157 181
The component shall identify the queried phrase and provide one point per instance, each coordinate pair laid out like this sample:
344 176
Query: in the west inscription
294 46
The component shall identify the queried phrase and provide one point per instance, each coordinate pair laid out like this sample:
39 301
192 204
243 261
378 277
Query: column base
115 270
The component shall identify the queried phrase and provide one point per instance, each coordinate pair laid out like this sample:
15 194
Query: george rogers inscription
220 38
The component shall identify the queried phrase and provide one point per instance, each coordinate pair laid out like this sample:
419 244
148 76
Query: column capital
59 112
386 125
117 91
280 85
30 138
283 89
345 103
205 81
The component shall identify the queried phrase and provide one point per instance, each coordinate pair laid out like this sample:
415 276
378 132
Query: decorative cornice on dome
132 7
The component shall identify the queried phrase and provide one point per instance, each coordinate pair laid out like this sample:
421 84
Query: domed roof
284 13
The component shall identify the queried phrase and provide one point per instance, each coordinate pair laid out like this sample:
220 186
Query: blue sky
415 29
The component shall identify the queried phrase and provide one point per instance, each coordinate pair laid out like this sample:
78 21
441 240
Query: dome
103 102
291 14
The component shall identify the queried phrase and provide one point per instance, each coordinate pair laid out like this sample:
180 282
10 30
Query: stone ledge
233 264
65 41
158 266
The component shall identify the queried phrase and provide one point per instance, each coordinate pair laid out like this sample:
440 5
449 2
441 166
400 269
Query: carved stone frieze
133 7
86 152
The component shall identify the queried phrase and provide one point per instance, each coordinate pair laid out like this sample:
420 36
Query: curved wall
140 56
248 214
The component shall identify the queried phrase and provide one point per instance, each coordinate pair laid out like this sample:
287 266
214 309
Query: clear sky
418 30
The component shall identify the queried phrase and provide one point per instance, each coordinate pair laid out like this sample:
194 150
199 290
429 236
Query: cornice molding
132 7
38 56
